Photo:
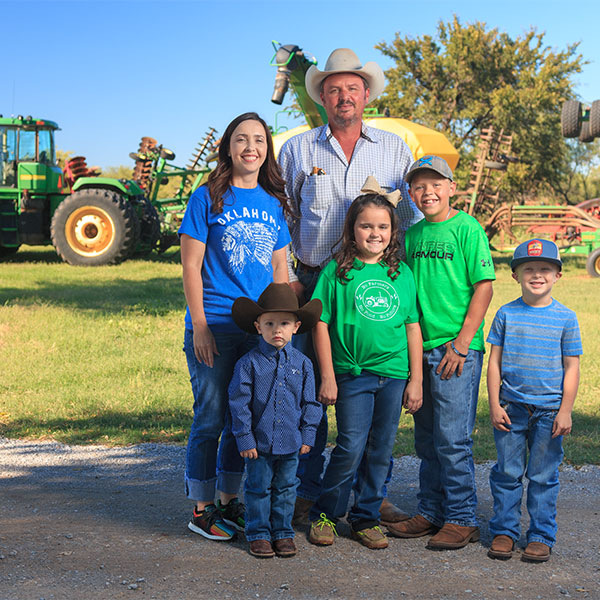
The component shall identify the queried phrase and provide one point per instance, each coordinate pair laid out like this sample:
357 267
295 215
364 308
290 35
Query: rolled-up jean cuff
229 483
200 491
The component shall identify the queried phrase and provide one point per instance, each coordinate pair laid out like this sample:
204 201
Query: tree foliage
469 77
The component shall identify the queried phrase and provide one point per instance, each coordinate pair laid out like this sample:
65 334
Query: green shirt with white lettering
447 258
367 317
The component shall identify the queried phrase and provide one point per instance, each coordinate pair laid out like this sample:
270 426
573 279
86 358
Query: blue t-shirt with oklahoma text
239 246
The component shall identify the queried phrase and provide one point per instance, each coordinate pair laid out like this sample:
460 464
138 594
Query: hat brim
245 312
370 71
519 261
411 174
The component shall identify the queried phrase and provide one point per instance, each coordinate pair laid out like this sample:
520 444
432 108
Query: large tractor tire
149 228
6 251
595 119
93 227
593 263
570 119
585 136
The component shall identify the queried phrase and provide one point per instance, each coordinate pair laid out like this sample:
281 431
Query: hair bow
372 186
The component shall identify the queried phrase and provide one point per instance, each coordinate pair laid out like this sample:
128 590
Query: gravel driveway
87 522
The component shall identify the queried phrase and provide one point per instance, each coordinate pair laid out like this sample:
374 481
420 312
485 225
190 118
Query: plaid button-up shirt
320 201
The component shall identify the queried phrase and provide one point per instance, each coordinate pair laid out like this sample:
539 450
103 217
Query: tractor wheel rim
597 265
90 231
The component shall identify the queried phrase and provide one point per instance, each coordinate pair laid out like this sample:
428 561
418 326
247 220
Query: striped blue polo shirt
534 341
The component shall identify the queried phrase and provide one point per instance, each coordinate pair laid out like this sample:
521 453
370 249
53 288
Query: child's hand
249 453
499 417
328 391
304 449
562 424
413 397
451 363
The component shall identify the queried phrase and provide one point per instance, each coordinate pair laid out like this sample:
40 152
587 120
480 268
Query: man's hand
451 363
249 453
562 424
499 417
298 289
304 449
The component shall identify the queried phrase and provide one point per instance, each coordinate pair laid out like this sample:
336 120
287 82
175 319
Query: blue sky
110 72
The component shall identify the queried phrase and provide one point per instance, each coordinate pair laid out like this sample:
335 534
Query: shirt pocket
317 196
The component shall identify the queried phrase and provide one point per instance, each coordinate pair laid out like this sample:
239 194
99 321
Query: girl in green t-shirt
369 349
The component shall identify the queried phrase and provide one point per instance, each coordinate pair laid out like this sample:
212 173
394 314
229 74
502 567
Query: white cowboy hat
343 60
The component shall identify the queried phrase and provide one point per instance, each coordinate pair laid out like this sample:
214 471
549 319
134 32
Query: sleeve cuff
308 436
245 442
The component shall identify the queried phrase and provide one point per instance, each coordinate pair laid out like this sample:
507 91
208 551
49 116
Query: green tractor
89 219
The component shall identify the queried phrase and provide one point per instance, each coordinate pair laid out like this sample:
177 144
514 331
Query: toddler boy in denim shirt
274 414
533 375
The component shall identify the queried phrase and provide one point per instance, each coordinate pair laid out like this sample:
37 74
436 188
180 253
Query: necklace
448 215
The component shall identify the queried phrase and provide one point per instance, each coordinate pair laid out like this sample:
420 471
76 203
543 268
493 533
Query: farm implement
91 220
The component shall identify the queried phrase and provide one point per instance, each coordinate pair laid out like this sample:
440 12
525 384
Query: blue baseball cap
430 163
536 250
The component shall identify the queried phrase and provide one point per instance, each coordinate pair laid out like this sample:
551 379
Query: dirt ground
87 523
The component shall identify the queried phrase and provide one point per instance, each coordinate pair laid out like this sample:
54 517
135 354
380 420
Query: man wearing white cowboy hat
325 169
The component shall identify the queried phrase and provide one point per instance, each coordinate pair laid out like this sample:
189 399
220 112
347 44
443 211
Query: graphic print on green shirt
367 317
377 300
447 259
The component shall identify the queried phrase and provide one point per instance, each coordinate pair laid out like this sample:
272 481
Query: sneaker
209 524
371 537
322 531
233 514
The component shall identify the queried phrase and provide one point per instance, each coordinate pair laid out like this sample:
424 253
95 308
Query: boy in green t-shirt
449 255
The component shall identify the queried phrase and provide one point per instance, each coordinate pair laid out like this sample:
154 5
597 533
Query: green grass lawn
94 355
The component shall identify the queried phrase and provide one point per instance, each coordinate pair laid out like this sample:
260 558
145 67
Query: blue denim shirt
272 400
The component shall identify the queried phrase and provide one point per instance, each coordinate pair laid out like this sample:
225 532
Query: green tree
582 182
469 77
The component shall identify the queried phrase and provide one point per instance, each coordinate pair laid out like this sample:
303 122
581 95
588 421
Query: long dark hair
269 176
345 256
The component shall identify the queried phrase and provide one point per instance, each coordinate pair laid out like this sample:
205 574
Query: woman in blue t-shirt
233 243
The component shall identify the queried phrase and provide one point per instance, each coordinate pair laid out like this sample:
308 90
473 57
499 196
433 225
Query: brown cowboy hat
277 297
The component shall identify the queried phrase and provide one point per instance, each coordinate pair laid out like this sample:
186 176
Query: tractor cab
30 181
28 155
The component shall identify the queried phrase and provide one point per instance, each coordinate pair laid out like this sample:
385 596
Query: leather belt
308 268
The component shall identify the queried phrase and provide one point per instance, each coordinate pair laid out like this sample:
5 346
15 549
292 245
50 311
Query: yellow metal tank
420 139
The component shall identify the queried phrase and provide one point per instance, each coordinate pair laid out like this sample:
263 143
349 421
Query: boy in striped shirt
533 375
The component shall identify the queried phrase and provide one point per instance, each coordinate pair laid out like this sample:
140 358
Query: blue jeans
270 494
310 466
206 467
367 410
531 430
443 428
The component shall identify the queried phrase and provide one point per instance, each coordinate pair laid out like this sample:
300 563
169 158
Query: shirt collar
366 133
270 351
